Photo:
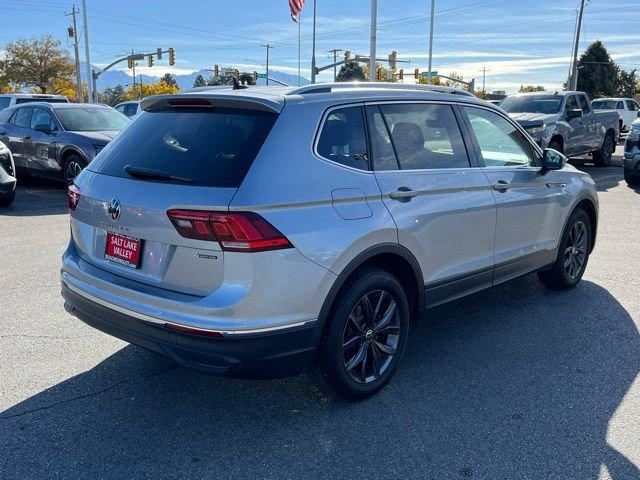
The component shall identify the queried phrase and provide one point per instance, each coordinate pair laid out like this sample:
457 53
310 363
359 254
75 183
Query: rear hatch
188 157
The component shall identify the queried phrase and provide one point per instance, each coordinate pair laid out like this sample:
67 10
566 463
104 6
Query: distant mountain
111 78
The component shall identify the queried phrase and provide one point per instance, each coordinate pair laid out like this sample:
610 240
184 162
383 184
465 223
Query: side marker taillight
73 197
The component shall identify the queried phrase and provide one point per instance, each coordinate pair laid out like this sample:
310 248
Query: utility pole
372 48
573 80
86 52
484 76
335 59
431 19
299 43
76 51
268 47
313 46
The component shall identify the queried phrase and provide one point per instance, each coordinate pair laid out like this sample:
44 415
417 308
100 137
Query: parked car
627 109
57 140
566 122
10 99
130 109
7 177
632 155
272 230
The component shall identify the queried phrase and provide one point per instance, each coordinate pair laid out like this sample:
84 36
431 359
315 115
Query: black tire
349 335
8 200
73 165
602 157
632 179
554 144
573 254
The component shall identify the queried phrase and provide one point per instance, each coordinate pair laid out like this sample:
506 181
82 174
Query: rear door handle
501 186
403 194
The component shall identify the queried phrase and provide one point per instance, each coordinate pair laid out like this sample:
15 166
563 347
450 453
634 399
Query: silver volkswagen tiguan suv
268 231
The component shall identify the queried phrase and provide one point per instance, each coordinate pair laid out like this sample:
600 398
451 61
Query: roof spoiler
210 99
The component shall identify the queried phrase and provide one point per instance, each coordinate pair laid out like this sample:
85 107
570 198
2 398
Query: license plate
123 249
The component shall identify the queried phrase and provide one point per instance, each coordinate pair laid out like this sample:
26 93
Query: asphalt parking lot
513 383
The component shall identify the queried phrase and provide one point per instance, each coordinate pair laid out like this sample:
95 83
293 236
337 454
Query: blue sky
518 41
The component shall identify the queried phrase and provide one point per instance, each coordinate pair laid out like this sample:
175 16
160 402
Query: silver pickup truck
566 121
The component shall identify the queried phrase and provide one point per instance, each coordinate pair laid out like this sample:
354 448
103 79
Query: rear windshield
91 119
37 99
212 148
532 104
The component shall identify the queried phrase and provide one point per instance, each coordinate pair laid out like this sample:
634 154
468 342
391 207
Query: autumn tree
37 62
142 90
531 88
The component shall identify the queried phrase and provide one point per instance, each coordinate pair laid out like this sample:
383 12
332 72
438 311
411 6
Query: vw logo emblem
113 209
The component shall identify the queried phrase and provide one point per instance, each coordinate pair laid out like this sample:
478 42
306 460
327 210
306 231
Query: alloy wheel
575 253
72 170
370 337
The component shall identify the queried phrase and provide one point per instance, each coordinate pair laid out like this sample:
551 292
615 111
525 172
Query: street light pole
73 13
431 19
313 46
268 47
86 52
372 48
573 83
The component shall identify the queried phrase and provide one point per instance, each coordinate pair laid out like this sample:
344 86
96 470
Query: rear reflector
235 231
192 331
73 197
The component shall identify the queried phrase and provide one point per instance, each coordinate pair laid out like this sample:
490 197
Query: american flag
296 7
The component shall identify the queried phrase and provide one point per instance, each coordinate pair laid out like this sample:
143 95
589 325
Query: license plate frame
123 250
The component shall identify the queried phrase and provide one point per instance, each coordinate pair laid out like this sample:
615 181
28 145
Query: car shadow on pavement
514 382
35 197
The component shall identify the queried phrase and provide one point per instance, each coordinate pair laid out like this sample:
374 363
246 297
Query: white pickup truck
627 108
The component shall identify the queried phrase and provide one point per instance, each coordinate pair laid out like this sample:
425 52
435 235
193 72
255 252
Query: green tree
350 72
113 95
627 83
457 78
168 79
37 62
247 79
199 81
597 72
531 88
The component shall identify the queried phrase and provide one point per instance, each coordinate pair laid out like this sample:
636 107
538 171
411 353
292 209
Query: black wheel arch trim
357 262
71 149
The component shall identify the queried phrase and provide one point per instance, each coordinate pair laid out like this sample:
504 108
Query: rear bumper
264 355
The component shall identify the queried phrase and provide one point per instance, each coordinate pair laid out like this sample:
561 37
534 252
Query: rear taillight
235 231
73 197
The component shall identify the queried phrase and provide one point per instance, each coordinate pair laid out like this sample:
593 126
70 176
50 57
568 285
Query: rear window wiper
139 172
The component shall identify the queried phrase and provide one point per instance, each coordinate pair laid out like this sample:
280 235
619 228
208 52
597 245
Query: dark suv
57 140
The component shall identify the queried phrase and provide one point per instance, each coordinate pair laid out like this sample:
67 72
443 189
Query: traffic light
378 73
159 53
150 60
172 56
401 74
236 73
130 62
255 76
416 73
347 56
216 70
71 32
393 56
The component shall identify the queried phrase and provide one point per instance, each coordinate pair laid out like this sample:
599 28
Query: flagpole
313 46
299 20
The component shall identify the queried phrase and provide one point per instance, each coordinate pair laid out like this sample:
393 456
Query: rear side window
342 139
631 105
425 136
584 105
4 102
212 148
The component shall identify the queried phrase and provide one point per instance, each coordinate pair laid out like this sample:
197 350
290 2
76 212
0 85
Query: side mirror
552 160
574 113
42 127
638 113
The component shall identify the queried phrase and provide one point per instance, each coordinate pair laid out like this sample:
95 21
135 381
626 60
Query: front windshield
604 104
532 104
91 119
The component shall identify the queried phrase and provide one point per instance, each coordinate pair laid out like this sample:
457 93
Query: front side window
41 117
425 136
572 104
22 117
619 106
342 139
501 143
